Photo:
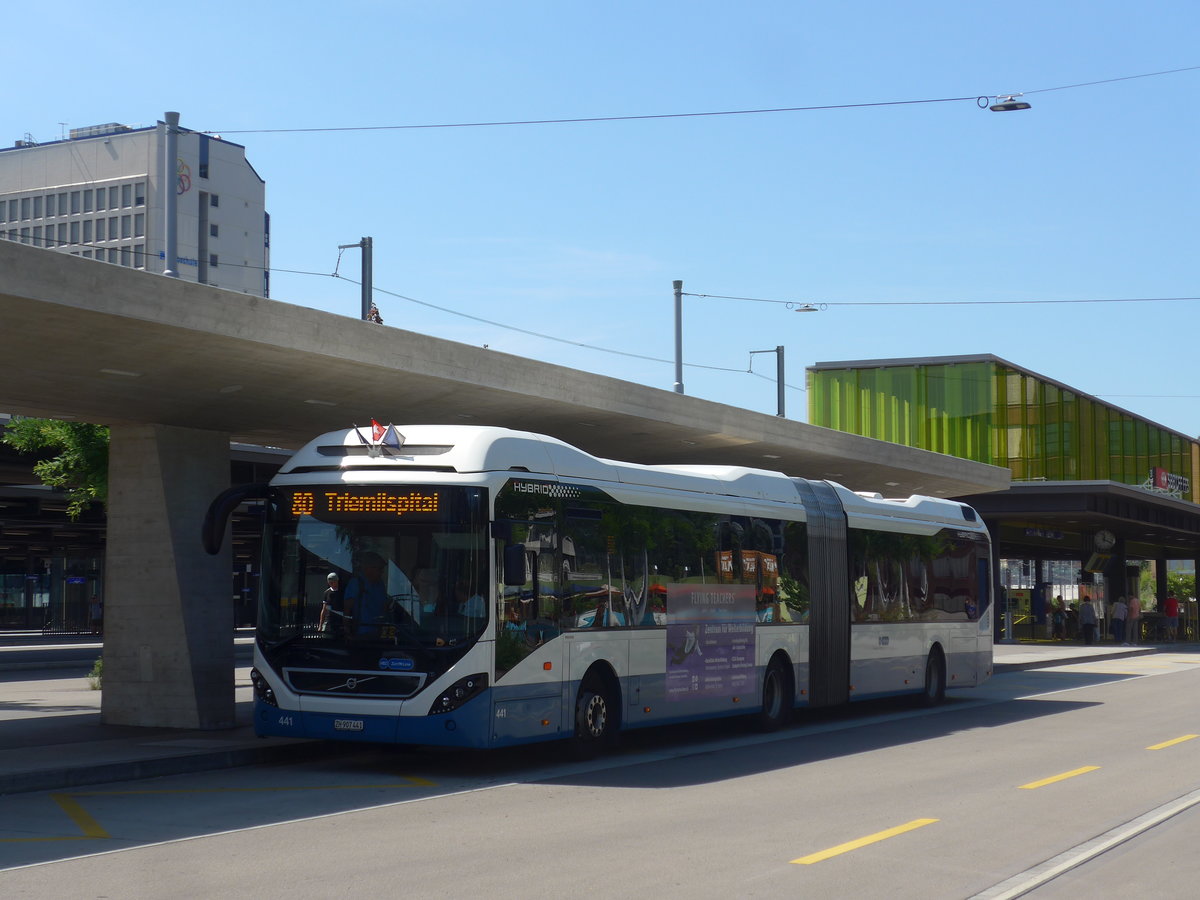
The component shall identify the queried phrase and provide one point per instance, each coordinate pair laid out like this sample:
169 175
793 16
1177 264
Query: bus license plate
347 724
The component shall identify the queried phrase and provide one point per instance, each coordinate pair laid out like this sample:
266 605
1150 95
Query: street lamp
1008 103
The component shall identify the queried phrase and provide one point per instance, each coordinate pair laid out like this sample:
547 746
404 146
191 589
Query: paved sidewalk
51 736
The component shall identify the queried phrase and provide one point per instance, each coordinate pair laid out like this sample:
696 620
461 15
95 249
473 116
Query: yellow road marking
1173 742
89 826
862 842
1053 778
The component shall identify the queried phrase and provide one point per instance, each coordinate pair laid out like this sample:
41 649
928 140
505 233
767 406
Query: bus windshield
374 567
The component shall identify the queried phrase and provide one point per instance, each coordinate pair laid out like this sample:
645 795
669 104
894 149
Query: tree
80 466
1181 585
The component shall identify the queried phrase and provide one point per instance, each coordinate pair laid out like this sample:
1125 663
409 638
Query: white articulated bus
481 587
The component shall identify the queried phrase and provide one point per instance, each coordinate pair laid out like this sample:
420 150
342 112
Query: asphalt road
974 798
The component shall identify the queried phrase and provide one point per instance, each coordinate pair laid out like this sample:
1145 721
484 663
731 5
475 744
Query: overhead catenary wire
574 120
822 304
504 325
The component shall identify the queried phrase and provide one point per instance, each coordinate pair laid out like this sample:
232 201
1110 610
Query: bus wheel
594 722
935 678
777 698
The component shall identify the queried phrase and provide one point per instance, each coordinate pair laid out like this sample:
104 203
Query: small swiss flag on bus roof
377 431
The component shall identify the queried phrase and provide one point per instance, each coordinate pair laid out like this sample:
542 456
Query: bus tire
778 696
595 719
935 678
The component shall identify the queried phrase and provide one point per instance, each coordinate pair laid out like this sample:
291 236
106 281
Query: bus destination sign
365 503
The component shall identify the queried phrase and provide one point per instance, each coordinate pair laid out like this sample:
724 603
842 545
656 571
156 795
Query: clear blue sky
577 230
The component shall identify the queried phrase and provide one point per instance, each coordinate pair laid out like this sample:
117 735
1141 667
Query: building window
87 201
25 236
126 195
214 200
204 140
49 206
213 230
212 260
13 213
112 197
62 233
63 209
74 202
3 207
139 225
37 235
126 227
37 207
112 228
87 231
24 208
100 194
126 256
99 229
112 255
139 256
139 194
75 232
87 254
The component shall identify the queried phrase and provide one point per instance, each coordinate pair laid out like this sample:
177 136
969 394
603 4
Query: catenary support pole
168 181
367 245
368 289
678 337
779 378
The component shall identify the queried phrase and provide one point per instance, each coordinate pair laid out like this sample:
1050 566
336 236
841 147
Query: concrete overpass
178 370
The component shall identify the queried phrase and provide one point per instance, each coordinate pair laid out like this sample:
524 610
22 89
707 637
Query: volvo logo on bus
351 683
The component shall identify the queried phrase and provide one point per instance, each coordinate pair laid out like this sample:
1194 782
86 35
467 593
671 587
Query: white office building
100 194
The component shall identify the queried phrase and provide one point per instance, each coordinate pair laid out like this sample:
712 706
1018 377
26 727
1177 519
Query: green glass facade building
988 410
1099 496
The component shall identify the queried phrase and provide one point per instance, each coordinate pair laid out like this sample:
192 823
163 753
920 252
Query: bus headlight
458 694
262 690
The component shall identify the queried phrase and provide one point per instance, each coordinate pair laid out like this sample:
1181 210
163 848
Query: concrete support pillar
168 649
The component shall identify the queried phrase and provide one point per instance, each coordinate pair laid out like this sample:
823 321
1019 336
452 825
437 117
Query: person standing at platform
1133 620
1058 618
1087 620
1118 613
1171 617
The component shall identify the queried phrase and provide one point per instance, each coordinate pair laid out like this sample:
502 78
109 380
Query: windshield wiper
279 645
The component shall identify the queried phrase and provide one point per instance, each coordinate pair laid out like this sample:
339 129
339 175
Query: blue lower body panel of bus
466 726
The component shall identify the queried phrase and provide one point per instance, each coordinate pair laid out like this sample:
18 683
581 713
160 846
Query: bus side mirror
213 530
514 565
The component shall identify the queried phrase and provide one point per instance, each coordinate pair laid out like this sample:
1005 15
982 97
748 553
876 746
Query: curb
999 667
